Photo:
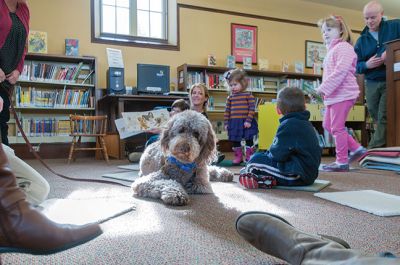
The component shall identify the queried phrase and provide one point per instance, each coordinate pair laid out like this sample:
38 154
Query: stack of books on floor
382 158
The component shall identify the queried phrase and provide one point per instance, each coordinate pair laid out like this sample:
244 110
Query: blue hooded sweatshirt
366 47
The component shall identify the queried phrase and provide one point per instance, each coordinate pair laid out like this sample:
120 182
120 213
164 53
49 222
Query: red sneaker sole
248 181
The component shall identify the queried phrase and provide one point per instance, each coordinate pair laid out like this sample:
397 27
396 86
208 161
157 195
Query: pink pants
334 122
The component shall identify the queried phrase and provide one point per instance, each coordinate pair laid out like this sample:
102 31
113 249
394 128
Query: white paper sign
396 67
114 57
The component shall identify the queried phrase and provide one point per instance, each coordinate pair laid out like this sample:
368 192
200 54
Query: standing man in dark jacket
371 53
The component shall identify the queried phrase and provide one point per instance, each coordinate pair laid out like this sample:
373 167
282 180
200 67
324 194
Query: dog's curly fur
189 138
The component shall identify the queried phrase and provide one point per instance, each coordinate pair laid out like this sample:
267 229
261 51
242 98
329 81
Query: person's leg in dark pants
4 117
261 164
375 93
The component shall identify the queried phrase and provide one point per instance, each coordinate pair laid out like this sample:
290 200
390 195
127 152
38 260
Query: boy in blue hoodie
294 156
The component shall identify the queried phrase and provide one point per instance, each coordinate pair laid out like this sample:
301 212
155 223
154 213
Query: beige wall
201 32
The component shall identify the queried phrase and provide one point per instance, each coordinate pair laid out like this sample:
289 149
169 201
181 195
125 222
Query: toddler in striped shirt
239 115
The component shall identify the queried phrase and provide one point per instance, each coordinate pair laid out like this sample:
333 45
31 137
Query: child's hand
247 124
226 127
1 103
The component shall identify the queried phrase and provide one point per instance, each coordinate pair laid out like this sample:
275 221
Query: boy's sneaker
334 167
252 181
219 159
354 156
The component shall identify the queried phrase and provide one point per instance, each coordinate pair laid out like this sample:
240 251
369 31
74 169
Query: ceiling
391 7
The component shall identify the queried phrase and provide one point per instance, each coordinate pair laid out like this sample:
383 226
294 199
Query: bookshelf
50 88
262 84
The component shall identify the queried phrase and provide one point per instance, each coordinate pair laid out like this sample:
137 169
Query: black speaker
115 81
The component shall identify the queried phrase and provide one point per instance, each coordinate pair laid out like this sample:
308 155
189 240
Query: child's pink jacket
338 81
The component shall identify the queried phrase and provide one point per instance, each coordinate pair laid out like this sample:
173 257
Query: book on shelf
230 61
247 63
298 67
317 68
285 66
133 123
263 64
71 47
37 41
211 60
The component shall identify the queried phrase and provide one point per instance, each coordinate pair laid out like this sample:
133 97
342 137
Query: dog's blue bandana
185 167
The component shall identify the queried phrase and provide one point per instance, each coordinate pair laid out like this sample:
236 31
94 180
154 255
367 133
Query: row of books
308 86
326 140
38 127
55 72
55 98
217 81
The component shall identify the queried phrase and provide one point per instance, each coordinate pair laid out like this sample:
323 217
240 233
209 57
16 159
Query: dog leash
37 156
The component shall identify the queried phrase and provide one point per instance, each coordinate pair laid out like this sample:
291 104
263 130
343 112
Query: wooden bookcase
263 85
50 88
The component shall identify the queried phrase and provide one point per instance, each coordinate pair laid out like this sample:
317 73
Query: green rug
318 185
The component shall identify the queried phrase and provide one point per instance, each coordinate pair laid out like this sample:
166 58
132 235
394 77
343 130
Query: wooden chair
87 126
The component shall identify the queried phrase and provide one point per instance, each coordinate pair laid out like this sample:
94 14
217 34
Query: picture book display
133 123
263 64
37 42
71 47
247 63
230 61
211 60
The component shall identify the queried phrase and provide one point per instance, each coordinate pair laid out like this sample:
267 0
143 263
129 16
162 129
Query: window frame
171 30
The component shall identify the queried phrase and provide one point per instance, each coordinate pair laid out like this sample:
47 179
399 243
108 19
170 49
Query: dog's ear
208 151
165 136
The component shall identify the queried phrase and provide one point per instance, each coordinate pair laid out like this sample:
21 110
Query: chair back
88 125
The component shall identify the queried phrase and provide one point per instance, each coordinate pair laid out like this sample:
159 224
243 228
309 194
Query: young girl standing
339 89
239 115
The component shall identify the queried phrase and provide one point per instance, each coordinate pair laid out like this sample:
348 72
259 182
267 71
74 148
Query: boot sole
51 251
248 181
331 238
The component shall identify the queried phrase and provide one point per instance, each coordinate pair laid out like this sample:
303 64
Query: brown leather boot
26 230
277 237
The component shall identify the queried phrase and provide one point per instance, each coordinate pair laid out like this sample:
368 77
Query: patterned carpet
203 232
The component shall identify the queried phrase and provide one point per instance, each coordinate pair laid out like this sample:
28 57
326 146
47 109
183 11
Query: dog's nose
185 148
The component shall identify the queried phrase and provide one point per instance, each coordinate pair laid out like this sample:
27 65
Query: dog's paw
220 174
196 188
175 197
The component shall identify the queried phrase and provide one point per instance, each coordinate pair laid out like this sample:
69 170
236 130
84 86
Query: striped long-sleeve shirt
338 81
239 106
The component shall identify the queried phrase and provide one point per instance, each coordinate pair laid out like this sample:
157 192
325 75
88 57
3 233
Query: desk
114 105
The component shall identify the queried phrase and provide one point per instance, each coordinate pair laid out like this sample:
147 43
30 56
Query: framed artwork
315 53
244 42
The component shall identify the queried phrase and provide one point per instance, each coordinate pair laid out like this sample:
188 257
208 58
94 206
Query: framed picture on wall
315 53
244 42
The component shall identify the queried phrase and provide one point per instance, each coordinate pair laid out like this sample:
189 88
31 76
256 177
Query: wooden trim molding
234 13
176 47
